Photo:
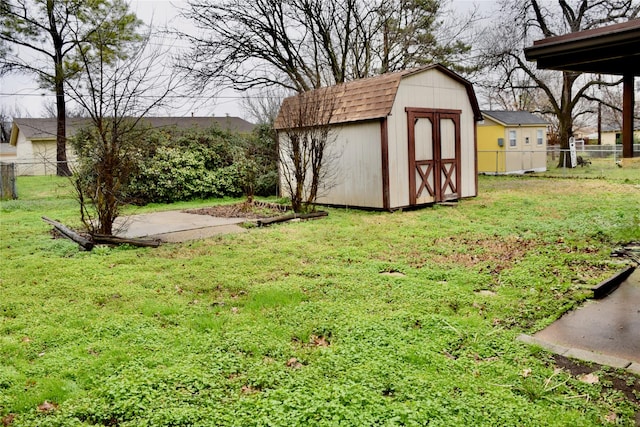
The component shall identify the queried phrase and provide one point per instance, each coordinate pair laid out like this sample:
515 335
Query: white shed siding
356 179
430 89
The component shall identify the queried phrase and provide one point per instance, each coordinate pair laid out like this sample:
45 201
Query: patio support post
627 116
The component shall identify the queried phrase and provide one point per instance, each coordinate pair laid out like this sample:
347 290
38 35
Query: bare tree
52 32
7 114
609 102
556 93
263 107
116 95
305 139
306 44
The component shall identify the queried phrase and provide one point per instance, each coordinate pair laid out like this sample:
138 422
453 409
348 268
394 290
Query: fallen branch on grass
87 244
84 243
114 240
283 218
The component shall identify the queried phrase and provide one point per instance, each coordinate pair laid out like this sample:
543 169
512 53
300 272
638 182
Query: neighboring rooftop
363 99
617 128
514 118
45 129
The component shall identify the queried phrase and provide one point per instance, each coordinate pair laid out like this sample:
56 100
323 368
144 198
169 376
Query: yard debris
88 242
247 389
7 420
318 341
589 378
84 243
291 217
630 250
612 417
583 161
294 363
47 406
115 240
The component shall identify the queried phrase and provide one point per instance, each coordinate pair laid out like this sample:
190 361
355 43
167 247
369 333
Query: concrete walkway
605 331
176 226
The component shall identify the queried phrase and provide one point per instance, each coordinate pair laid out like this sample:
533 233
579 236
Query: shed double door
434 155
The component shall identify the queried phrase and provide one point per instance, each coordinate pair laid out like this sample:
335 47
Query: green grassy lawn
296 324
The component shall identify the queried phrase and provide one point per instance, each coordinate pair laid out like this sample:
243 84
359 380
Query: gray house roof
45 129
514 118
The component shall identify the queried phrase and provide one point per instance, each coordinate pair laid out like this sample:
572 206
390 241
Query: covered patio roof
614 49
608 50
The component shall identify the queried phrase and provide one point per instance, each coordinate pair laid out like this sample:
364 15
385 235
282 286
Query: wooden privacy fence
8 181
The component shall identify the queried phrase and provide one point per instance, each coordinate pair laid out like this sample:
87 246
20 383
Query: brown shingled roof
365 99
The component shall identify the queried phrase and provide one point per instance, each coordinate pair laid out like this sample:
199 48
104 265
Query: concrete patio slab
606 331
176 226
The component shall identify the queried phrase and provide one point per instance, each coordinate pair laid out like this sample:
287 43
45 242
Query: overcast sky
20 93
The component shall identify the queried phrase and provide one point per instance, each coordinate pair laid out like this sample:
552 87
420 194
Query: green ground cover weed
296 324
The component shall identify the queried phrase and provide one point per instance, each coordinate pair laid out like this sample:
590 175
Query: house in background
7 153
399 139
612 135
512 142
35 139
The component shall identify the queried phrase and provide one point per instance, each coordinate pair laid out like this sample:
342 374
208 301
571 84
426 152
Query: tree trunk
565 117
62 168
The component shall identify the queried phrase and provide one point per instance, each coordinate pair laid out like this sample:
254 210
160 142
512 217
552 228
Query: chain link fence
36 167
605 159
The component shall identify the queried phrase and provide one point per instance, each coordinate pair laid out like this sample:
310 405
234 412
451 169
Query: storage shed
512 142
399 139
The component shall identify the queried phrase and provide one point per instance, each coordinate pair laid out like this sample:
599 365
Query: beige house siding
609 137
38 157
526 156
507 159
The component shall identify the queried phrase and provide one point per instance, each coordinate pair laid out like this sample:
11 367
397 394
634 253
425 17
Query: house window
539 137
512 138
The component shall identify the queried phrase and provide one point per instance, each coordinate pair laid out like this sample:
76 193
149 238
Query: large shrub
205 163
259 166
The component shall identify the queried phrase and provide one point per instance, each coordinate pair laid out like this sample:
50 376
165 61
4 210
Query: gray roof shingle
514 118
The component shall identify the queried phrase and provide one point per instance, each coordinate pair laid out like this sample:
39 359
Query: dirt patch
627 383
497 253
249 210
